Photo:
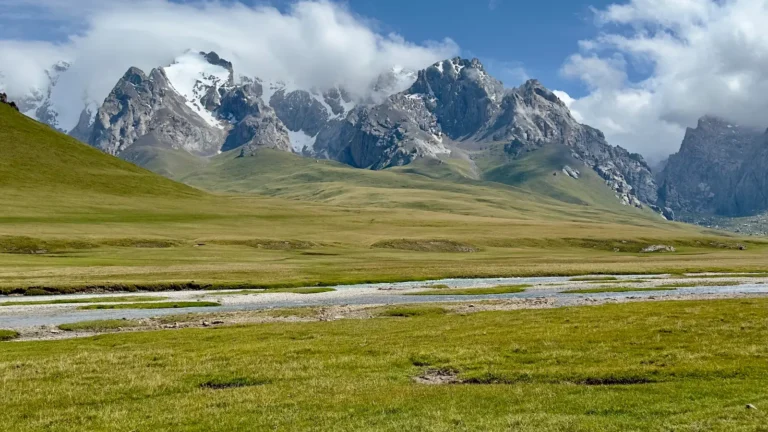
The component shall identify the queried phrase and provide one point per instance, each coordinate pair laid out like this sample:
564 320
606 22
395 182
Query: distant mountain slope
37 160
719 170
425 184
452 110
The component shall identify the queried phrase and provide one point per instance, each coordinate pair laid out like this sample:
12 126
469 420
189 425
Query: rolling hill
75 218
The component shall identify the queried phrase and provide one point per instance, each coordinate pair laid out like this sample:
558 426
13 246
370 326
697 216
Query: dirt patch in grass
165 305
101 325
33 246
426 245
505 289
269 244
411 311
293 312
616 380
439 377
142 243
230 383
6 335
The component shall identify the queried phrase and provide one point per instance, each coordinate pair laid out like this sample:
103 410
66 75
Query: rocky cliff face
393 133
192 105
718 170
455 105
197 104
145 109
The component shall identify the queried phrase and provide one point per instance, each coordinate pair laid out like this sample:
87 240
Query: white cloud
686 59
315 43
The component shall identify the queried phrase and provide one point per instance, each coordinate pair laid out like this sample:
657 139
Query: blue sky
647 69
515 39
536 36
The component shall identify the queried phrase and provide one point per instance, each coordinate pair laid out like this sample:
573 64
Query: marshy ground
671 365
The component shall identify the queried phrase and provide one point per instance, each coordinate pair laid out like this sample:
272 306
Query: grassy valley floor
76 219
641 366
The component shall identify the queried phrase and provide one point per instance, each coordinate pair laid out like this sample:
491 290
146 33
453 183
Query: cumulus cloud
658 65
314 43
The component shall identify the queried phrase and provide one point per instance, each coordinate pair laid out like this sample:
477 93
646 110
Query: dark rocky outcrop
719 170
4 99
147 110
453 106
456 104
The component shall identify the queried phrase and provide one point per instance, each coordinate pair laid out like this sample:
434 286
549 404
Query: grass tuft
6 335
412 311
100 325
278 290
426 245
230 383
505 289
594 279
614 290
85 300
701 284
166 305
611 380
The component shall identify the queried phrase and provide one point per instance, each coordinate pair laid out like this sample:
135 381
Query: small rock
471 305
658 248
55 331
751 407
571 172
206 324
217 322
338 317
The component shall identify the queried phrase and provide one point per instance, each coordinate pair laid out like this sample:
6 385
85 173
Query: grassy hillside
541 172
75 217
166 162
35 159
440 186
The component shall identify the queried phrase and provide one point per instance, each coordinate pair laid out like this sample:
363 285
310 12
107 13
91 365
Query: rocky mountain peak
460 93
215 60
533 88
715 169
134 76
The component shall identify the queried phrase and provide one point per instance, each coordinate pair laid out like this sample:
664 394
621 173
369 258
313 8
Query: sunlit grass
655 366
134 299
100 325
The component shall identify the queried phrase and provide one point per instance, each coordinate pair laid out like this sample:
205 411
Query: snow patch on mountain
192 76
301 141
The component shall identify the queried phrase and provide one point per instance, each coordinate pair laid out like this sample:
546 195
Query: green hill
426 184
35 159
74 218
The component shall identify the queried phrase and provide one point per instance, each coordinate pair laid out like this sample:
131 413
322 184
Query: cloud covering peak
658 65
313 43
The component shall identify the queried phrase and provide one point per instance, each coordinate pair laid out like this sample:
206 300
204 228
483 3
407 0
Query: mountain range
174 119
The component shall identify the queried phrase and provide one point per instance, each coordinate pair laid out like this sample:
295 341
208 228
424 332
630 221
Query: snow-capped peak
192 76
